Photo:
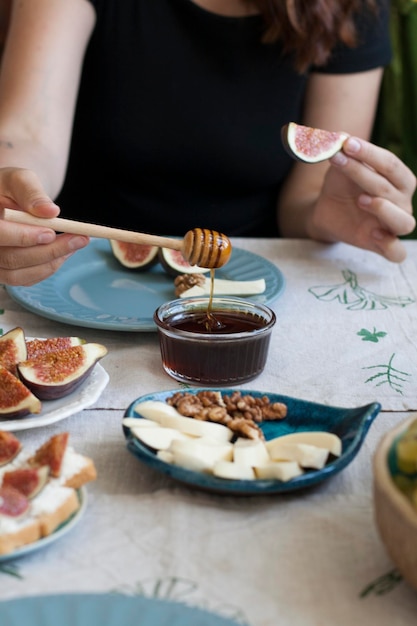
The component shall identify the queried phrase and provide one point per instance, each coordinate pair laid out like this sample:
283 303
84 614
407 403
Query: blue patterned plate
351 425
103 610
93 290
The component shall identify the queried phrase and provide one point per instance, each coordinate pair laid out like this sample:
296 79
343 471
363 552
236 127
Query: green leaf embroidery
382 585
356 297
373 336
388 375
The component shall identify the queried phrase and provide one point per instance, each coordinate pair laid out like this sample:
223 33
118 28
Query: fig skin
334 141
135 256
16 400
174 263
56 374
13 349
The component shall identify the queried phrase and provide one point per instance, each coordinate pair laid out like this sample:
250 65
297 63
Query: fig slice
12 502
35 347
56 374
10 446
29 481
174 263
51 454
135 255
12 349
16 400
311 145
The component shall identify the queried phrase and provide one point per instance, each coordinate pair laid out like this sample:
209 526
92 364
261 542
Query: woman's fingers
377 171
21 189
395 219
29 264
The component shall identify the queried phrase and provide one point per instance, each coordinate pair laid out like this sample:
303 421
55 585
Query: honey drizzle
211 323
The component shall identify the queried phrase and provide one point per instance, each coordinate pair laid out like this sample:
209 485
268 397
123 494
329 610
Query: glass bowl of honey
224 341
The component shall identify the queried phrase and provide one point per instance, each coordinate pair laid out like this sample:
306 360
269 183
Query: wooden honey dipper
200 246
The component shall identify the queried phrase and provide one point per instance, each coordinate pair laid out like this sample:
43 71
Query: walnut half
186 281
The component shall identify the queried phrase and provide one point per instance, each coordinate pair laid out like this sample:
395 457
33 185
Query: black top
179 118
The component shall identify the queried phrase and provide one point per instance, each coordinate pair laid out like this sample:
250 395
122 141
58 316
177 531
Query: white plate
56 410
93 290
63 529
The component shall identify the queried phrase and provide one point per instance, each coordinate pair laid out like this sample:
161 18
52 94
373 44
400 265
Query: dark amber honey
221 322
227 346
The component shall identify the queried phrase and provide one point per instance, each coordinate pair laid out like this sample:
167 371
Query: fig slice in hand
134 255
12 349
56 374
27 480
16 400
311 145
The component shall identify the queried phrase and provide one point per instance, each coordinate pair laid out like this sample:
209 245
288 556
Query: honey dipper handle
92 230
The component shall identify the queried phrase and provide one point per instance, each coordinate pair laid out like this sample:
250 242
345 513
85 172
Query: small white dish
57 410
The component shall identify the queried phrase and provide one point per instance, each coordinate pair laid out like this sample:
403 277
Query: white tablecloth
346 335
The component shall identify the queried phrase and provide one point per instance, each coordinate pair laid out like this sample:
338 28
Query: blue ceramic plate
62 530
351 425
103 610
93 290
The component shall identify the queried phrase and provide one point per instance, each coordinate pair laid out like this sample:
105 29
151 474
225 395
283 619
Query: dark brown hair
310 29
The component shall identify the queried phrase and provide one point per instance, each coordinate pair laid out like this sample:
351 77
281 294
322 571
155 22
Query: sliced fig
56 374
35 347
174 263
311 145
12 349
12 502
29 481
135 255
10 446
51 453
16 400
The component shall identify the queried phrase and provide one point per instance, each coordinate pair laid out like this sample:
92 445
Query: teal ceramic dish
350 424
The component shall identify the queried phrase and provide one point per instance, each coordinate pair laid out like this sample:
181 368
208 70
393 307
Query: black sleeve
373 49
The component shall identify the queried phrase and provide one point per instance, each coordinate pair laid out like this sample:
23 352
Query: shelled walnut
241 413
186 281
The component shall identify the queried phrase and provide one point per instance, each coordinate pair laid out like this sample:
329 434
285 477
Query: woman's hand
29 254
366 200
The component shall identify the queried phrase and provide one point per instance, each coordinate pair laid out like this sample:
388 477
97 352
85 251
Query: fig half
16 400
174 263
12 349
311 145
35 347
53 375
135 255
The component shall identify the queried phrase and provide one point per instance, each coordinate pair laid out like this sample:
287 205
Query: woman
161 116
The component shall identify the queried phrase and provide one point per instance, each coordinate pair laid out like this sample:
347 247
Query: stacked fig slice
41 369
38 490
